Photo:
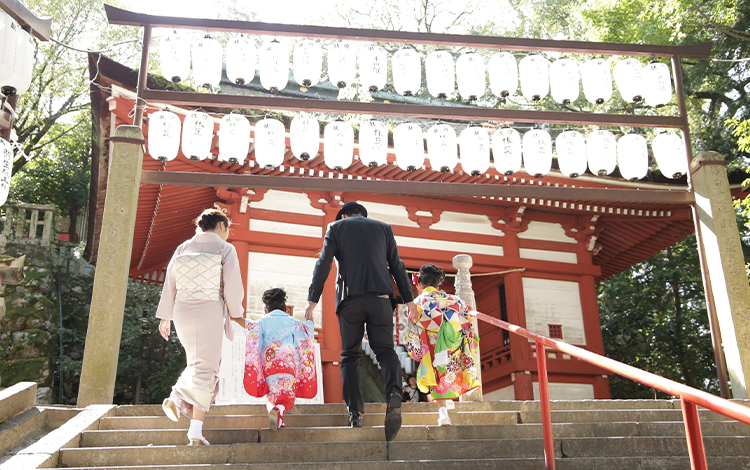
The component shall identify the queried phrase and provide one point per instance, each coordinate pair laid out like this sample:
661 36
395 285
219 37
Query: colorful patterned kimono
280 359
447 351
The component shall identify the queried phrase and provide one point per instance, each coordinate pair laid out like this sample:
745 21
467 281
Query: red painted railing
690 397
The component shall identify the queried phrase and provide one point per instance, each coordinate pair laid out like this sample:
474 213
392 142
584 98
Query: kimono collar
429 290
278 312
206 237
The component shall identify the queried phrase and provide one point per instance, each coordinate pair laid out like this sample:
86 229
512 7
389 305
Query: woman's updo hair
275 299
210 218
431 275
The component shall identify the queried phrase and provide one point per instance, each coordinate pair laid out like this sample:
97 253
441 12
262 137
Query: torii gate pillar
111 280
725 264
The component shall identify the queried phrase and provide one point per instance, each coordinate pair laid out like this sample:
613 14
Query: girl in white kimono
202 287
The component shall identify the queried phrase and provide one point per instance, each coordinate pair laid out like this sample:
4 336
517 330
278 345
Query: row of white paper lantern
16 57
538 76
601 152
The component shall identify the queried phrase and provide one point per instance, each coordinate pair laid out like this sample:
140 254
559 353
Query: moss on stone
22 370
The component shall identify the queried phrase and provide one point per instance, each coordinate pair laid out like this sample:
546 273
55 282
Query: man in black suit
367 257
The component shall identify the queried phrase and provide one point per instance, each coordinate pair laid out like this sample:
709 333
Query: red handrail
689 396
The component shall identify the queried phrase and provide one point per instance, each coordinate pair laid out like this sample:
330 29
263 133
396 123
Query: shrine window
555 331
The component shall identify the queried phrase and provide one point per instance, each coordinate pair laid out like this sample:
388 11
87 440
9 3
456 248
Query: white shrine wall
554 302
557 391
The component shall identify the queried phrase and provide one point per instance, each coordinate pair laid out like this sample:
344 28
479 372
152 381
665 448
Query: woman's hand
164 329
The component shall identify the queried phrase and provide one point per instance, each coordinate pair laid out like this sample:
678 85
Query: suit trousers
377 314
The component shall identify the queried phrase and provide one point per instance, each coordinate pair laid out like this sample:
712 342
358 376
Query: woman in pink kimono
202 288
280 358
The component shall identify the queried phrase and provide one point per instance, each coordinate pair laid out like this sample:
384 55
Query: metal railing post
549 445
696 449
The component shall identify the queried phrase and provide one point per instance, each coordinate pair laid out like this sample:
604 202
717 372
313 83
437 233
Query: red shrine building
550 253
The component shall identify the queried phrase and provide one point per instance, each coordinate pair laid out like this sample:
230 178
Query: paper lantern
533 71
408 143
628 75
537 152
632 156
596 78
307 63
470 76
270 143
6 169
274 66
341 69
503 72
475 150
373 68
234 138
407 71
240 60
657 84
197 135
9 33
338 145
601 150
506 148
373 143
16 57
571 153
174 54
565 83
304 137
441 74
669 153
163 135
207 62
442 147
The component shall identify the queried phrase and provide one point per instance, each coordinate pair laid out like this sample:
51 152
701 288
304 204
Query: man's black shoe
393 416
356 421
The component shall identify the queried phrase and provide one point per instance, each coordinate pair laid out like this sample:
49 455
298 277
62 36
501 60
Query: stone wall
27 329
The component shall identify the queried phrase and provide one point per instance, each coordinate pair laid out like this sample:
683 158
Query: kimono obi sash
198 276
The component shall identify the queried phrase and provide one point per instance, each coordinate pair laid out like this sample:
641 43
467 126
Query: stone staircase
638 434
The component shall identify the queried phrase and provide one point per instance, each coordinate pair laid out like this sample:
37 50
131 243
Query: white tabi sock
282 409
195 431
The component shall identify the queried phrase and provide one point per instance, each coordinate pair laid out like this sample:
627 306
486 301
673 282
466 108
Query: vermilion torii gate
728 296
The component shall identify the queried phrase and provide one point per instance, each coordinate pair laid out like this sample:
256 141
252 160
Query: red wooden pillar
330 337
590 305
516 306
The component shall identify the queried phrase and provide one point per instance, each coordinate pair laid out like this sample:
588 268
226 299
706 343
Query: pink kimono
280 359
203 287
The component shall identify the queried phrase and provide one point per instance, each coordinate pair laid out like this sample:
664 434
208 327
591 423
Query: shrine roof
628 232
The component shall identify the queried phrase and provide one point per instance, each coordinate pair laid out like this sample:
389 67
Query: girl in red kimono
280 358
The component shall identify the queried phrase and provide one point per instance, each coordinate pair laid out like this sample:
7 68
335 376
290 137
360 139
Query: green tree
60 173
59 86
654 317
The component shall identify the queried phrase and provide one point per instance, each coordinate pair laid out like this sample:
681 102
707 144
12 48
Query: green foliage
60 88
143 352
61 171
654 317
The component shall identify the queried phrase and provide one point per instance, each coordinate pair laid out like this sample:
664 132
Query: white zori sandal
170 409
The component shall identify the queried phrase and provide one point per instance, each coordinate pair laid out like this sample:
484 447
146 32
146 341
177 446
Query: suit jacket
367 256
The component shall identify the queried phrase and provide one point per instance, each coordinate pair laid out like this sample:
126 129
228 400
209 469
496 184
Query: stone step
160 437
296 421
301 452
634 463
380 451
584 416
259 421
335 408
16 399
